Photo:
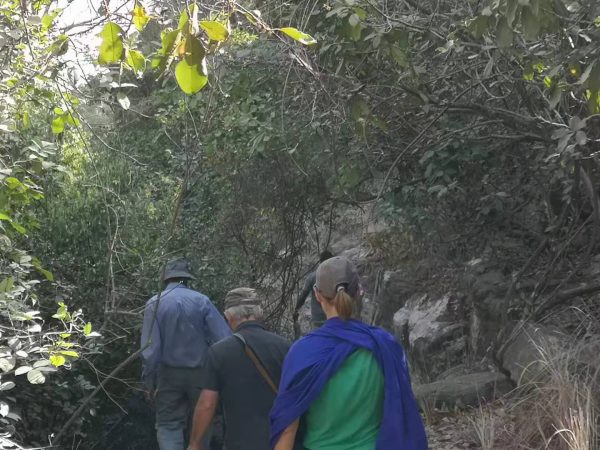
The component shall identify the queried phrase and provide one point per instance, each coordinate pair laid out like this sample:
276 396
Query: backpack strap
259 366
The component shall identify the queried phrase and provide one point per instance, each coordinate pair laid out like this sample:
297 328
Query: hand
196 446
151 396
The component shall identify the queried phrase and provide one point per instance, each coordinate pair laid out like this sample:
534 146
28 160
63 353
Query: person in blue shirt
179 327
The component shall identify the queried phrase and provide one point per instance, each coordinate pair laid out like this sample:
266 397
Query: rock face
525 350
432 331
464 390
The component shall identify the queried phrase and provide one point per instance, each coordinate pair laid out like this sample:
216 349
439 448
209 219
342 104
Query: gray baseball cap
336 272
242 296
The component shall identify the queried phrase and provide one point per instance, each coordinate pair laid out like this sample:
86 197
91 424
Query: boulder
432 331
463 390
523 354
393 289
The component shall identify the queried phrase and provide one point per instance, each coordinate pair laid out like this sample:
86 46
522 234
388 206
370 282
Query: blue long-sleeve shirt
187 323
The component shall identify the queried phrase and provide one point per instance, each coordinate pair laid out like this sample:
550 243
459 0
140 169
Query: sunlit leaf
123 100
35 376
140 17
57 360
299 36
7 386
7 364
216 31
87 329
58 125
23 370
190 78
71 353
136 61
111 49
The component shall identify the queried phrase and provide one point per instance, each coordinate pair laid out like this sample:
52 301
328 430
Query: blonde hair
343 303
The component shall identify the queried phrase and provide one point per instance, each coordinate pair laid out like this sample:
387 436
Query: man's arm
306 290
150 343
287 438
203 416
215 324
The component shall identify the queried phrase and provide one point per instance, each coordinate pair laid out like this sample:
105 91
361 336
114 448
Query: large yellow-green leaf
216 31
111 49
58 125
136 61
140 17
299 36
190 78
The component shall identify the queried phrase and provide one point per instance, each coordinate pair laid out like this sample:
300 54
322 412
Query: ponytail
343 303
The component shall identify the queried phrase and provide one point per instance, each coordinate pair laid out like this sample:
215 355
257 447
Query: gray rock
522 356
464 390
432 331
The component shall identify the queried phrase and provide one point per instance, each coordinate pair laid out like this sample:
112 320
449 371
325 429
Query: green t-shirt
347 414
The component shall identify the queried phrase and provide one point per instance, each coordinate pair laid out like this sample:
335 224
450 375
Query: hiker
185 325
346 383
317 316
243 372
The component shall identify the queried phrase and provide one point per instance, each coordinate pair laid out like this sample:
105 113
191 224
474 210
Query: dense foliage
203 130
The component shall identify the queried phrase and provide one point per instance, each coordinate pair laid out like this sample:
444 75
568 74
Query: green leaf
35 376
193 51
26 120
111 49
511 11
136 61
58 125
140 18
5 217
47 21
478 26
504 34
18 228
216 31
23 370
71 353
299 36
123 100
359 109
530 23
60 45
87 329
190 78
353 20
399 56
7 364
169 40
57 360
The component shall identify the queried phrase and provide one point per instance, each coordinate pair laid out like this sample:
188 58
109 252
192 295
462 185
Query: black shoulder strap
259 366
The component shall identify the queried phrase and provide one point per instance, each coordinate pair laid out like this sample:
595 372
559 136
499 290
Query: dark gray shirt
245 396
317 316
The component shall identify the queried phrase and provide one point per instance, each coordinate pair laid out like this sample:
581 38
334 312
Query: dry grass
560 410
484 425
